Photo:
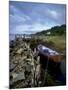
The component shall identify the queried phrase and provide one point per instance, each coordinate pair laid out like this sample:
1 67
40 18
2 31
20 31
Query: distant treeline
56 30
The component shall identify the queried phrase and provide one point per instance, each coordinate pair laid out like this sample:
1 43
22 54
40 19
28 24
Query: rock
12 66
19 51
23 72
19 76
14 75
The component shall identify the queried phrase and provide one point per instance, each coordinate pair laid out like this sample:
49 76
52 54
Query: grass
57 43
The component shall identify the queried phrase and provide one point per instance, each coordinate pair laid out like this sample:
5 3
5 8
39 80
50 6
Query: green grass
57 43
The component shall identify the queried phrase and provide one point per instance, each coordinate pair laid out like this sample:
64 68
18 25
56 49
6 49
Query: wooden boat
51 54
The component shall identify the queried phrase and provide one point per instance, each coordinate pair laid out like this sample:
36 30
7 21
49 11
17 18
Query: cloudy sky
26 17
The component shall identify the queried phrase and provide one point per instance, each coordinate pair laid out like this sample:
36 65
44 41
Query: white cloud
29 28
16 15
39 27
16 18
21 29
34 21
12 8
53 14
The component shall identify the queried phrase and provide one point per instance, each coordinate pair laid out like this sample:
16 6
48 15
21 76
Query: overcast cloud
33 17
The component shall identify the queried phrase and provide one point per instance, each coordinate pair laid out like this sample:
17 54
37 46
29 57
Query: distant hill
56 30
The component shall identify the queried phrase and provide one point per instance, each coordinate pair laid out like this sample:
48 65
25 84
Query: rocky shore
25 68
22 66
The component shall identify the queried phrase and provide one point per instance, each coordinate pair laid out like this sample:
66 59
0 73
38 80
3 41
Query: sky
29 17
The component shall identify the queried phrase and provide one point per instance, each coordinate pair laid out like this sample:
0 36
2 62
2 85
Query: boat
51 54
